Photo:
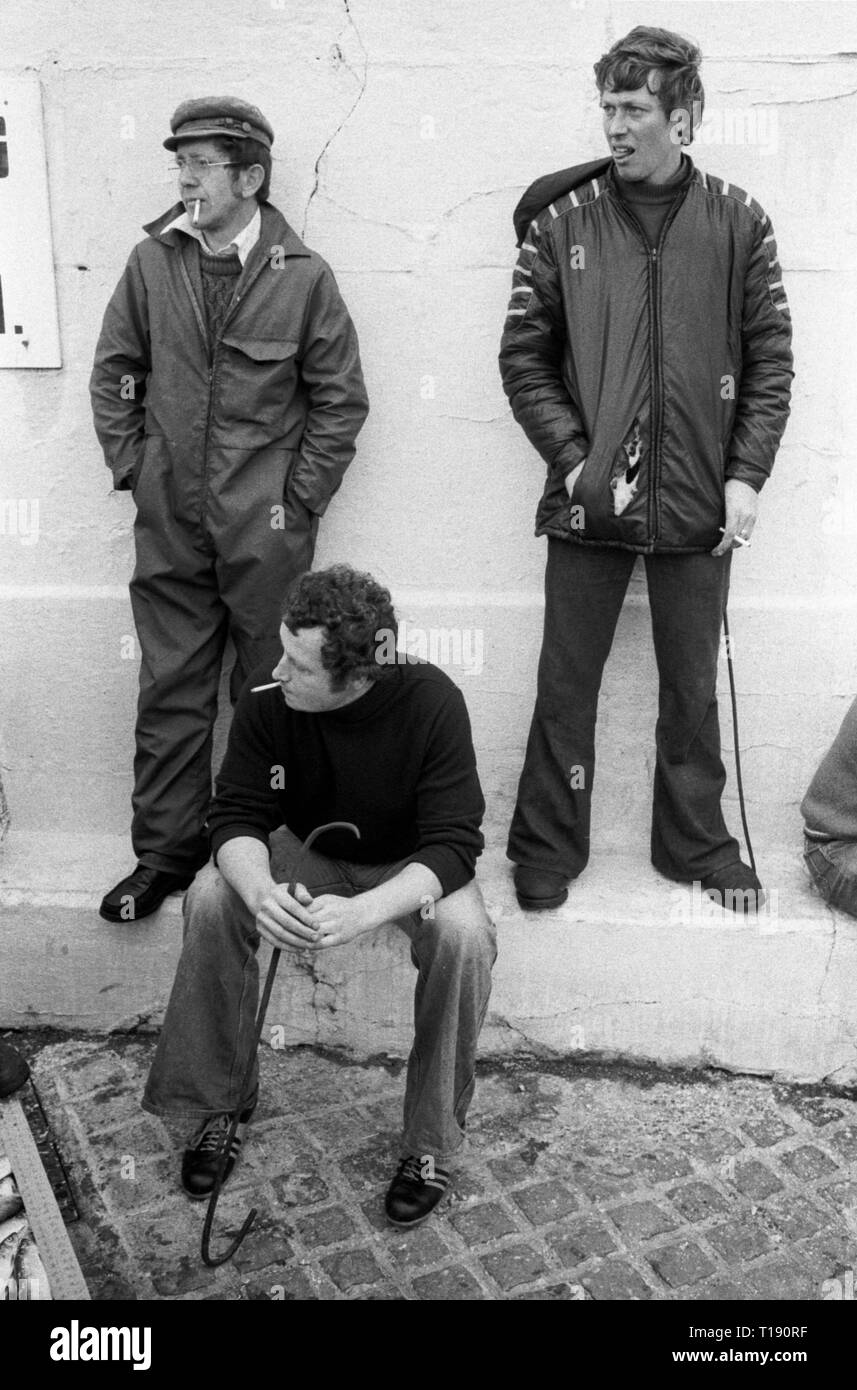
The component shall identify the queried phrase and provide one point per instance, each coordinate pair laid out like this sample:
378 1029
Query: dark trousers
210 1021
192 588
584 591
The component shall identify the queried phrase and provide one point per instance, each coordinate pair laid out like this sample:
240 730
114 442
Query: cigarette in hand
739 540
272 685
196 214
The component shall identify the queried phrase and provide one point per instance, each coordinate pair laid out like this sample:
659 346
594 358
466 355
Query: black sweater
398 762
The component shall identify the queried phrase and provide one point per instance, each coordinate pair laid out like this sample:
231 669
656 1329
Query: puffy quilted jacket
666 369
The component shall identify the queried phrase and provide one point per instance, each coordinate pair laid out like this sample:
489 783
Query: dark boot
141 894
735 886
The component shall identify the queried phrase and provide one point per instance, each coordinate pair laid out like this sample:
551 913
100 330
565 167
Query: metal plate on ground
55 1249
52 1161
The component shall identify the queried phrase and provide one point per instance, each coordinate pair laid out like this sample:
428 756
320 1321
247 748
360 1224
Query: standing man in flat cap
227 395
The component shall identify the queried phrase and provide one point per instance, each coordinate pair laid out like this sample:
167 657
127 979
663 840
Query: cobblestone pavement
579 1181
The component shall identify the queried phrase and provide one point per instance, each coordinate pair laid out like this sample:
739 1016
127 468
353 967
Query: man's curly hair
353 609
665 63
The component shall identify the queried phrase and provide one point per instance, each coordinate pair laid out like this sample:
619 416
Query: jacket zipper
208 414
654 290
657 391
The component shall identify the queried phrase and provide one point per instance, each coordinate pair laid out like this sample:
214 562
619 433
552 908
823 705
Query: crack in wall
810 101
136 1021
307 963
361 79
484 193
5 818
415 231
499 1021
473 419
829 961
847 1041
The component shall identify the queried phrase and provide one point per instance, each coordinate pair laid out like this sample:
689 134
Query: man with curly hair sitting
345 734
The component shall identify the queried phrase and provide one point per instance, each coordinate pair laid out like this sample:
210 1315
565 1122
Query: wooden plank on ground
54 1249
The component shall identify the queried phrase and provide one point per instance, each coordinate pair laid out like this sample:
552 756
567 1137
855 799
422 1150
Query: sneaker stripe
411 1169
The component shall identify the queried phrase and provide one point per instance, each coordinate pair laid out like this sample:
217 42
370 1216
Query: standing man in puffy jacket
646 355
228 395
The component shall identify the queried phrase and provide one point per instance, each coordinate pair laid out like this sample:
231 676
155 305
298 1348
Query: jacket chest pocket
257 377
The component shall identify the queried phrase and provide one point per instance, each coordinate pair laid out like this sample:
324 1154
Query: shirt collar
243 242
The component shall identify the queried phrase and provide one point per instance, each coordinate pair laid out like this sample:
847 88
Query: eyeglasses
199 166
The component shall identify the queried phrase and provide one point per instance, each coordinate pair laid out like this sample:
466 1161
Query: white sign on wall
29 330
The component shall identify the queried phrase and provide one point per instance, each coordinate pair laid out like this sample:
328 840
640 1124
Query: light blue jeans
833 865
209 1025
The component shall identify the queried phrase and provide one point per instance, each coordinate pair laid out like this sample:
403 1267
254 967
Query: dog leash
737 747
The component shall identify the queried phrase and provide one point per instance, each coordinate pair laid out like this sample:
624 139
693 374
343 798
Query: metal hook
207 1257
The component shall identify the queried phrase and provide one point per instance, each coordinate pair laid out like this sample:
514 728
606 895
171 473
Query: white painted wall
406 130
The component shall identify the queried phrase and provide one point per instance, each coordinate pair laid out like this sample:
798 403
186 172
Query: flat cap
203 116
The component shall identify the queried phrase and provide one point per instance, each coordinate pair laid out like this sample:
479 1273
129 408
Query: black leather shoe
202 1156
539 889
735 886
14 1072
141 893
415 1191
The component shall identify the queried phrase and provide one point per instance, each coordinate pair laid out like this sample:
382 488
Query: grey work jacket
280 390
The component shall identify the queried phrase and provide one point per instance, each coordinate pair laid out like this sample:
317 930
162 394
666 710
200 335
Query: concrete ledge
631 966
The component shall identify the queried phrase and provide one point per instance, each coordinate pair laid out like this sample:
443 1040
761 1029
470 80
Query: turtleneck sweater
650 202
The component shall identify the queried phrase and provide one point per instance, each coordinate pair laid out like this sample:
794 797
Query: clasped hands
305 923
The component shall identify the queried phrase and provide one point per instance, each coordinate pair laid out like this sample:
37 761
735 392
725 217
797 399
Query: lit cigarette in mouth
196 213
272 685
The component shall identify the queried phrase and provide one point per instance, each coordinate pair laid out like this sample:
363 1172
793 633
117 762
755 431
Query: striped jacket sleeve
766 374
531 354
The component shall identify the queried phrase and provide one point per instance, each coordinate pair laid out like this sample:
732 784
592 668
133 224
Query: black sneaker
202 1156
415 1191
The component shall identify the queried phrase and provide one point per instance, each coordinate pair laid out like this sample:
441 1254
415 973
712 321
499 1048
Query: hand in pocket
572 477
